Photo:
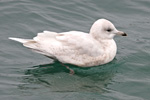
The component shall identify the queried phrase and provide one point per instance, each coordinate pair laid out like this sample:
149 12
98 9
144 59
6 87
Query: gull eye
108 30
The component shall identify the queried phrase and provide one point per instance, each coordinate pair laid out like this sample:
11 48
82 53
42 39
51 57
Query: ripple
126 78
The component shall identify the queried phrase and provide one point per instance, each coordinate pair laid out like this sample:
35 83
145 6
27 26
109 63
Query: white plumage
77 48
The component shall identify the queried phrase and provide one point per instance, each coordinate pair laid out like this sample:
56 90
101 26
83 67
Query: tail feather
38 43
20 40
29 43
32 45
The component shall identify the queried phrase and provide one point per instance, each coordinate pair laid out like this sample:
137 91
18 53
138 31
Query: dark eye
109 30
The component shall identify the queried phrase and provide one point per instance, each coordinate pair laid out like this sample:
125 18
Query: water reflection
56 78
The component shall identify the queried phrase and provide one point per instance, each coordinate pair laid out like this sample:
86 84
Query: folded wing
69 47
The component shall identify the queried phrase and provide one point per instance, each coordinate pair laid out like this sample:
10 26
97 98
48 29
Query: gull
77 48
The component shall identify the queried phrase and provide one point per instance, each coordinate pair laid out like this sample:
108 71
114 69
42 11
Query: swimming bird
78 48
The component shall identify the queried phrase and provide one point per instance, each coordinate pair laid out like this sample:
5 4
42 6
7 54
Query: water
25 75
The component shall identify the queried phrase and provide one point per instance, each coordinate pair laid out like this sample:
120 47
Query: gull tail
29 43
32 44
26 42
20 40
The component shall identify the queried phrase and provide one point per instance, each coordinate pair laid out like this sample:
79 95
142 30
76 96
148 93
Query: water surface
27 75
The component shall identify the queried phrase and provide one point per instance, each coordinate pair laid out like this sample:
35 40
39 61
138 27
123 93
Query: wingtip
11 38
17 39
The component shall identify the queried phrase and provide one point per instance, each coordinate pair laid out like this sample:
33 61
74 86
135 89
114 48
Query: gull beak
121 33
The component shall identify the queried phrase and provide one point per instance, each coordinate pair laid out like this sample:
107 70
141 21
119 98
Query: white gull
75 47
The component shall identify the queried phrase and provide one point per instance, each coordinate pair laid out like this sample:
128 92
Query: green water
25 75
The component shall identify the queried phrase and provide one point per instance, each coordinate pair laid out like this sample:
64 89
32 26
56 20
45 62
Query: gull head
104 29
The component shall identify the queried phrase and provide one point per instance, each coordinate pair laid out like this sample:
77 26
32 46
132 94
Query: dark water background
25 75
